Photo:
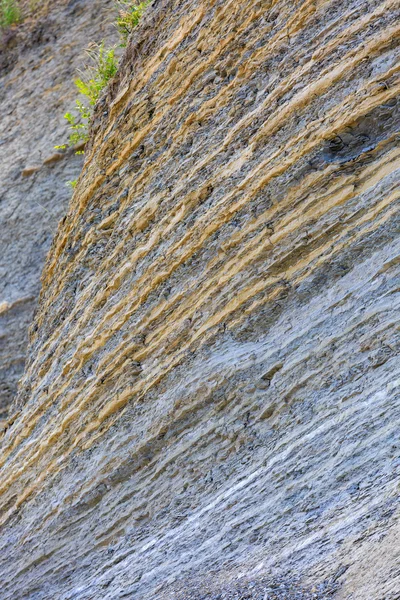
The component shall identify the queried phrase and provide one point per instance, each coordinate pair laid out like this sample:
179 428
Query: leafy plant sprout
101 68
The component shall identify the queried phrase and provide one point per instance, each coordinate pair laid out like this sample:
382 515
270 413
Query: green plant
101 68
78 125
72 184
129 16
9 13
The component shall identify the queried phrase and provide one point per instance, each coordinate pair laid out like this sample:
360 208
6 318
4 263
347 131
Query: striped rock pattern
212 389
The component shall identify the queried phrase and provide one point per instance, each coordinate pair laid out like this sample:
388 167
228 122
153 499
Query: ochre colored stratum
211 399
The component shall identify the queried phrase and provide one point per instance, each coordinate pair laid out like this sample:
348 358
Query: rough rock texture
211 402
38 62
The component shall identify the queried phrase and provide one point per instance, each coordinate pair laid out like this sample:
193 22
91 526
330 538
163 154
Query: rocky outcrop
38 62
210 403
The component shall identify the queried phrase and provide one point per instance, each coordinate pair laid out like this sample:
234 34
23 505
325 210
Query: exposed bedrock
38 63
212 390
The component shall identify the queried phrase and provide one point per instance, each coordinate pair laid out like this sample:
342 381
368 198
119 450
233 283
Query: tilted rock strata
213 376
38 63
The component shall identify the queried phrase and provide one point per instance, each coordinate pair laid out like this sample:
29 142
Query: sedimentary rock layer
38 63
213 376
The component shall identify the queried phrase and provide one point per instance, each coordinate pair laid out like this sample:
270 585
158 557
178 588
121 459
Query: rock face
212 388
38 63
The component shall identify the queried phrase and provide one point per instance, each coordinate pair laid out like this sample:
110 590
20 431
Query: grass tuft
9 13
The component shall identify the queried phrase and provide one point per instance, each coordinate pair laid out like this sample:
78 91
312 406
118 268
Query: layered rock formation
211 394
38 62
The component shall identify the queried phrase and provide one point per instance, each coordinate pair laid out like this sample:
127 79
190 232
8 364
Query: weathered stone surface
36 89
212 390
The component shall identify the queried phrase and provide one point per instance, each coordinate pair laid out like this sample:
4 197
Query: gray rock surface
210 403
38 63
